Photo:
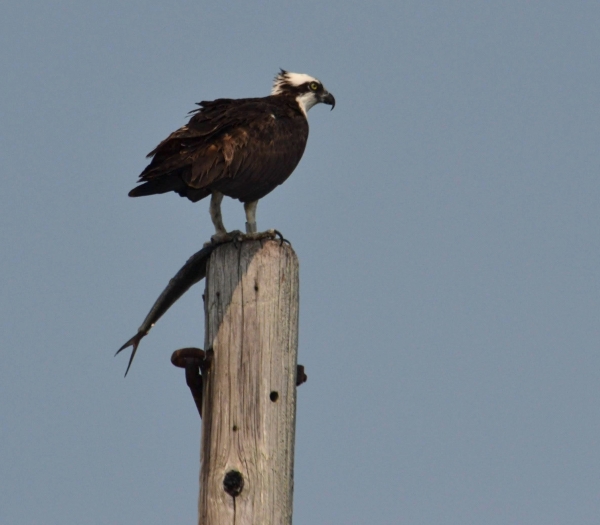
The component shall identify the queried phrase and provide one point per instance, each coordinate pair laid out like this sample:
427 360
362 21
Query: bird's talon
218 238
282 239
222 238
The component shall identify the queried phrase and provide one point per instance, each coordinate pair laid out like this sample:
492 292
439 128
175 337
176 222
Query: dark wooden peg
194 360
301 377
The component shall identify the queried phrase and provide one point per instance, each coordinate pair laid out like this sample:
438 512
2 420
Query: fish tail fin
134 342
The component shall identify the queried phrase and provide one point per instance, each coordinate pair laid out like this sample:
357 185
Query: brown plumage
242 148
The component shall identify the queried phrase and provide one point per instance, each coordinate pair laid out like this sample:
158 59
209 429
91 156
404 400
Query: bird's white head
308 91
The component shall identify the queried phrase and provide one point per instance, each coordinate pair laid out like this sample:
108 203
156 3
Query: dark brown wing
243 148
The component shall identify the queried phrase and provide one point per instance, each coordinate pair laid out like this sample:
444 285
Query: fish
192 272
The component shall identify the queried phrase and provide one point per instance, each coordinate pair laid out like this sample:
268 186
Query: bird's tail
154 187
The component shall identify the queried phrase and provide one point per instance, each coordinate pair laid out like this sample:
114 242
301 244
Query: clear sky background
446 220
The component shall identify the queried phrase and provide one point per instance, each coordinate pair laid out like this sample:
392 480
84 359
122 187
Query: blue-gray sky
445 216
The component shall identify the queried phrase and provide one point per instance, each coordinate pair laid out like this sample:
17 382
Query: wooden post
249 402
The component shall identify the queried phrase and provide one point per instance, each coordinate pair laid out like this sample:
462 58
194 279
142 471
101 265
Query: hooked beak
328 98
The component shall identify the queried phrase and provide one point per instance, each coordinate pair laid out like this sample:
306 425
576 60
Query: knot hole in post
233 483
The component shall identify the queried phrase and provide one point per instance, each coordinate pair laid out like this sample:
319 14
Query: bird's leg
250 209
221 235
251 230
215 213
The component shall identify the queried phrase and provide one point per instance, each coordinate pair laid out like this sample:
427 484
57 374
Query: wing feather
243 148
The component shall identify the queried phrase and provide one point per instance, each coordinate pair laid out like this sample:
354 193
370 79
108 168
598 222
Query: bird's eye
314 86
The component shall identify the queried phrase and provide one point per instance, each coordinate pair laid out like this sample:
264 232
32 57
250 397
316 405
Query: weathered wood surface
249 407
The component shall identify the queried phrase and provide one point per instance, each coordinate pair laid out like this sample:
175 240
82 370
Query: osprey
242 148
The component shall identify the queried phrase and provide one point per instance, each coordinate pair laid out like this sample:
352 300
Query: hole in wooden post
235 428
256 287
274 396
233 483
